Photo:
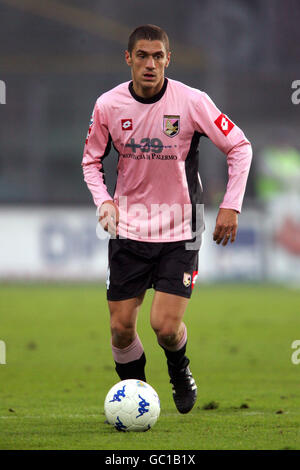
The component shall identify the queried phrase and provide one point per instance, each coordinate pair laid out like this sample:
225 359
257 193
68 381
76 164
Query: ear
128 58
168 59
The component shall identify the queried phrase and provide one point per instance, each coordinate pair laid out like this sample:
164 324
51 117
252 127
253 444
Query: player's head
148 32
148 55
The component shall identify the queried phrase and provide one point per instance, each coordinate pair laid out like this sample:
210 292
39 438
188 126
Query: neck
147 92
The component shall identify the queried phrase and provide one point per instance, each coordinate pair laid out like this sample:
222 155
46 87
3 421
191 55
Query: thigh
167 311
125 311
123 319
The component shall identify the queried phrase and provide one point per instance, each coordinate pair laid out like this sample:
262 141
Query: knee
167 336
123 333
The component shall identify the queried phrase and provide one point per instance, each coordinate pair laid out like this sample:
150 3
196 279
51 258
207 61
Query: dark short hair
150 32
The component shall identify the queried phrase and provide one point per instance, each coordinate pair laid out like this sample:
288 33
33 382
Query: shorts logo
126 124
171 125
187 279
224 124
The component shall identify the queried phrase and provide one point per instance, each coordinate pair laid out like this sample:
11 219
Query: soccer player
155 216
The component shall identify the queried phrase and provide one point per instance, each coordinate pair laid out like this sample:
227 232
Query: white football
132 405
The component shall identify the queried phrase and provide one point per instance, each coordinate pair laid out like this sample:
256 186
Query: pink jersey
158 190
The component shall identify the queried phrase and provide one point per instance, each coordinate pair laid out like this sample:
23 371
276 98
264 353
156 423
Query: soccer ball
132 405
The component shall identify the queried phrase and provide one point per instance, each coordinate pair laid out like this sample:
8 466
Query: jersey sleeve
97 146
230 139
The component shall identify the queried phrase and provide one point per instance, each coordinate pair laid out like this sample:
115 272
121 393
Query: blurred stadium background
57 57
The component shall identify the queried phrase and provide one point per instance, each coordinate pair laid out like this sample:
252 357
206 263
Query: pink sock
131 353
183 340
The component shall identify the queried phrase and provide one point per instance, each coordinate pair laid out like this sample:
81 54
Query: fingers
224 233
226 226
233 233
109 218
108 223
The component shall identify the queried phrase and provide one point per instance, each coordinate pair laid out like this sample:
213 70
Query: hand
109 217
226 226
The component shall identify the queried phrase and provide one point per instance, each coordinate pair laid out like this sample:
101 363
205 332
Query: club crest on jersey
171 125
187 279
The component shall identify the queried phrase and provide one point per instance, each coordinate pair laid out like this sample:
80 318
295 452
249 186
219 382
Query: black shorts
135 266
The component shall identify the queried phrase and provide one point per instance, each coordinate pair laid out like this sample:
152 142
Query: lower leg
166 320
127 349
130 361
175 348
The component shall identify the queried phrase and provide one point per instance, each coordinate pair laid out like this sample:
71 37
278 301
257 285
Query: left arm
230 139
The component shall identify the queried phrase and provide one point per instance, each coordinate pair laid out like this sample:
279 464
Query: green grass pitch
59 369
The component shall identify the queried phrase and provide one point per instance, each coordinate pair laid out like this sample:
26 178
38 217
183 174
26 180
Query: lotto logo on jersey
89 130
224 124
126 124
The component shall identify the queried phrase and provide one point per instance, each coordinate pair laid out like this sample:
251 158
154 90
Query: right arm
97 146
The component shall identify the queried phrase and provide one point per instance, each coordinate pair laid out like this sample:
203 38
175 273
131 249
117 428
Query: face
148 61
